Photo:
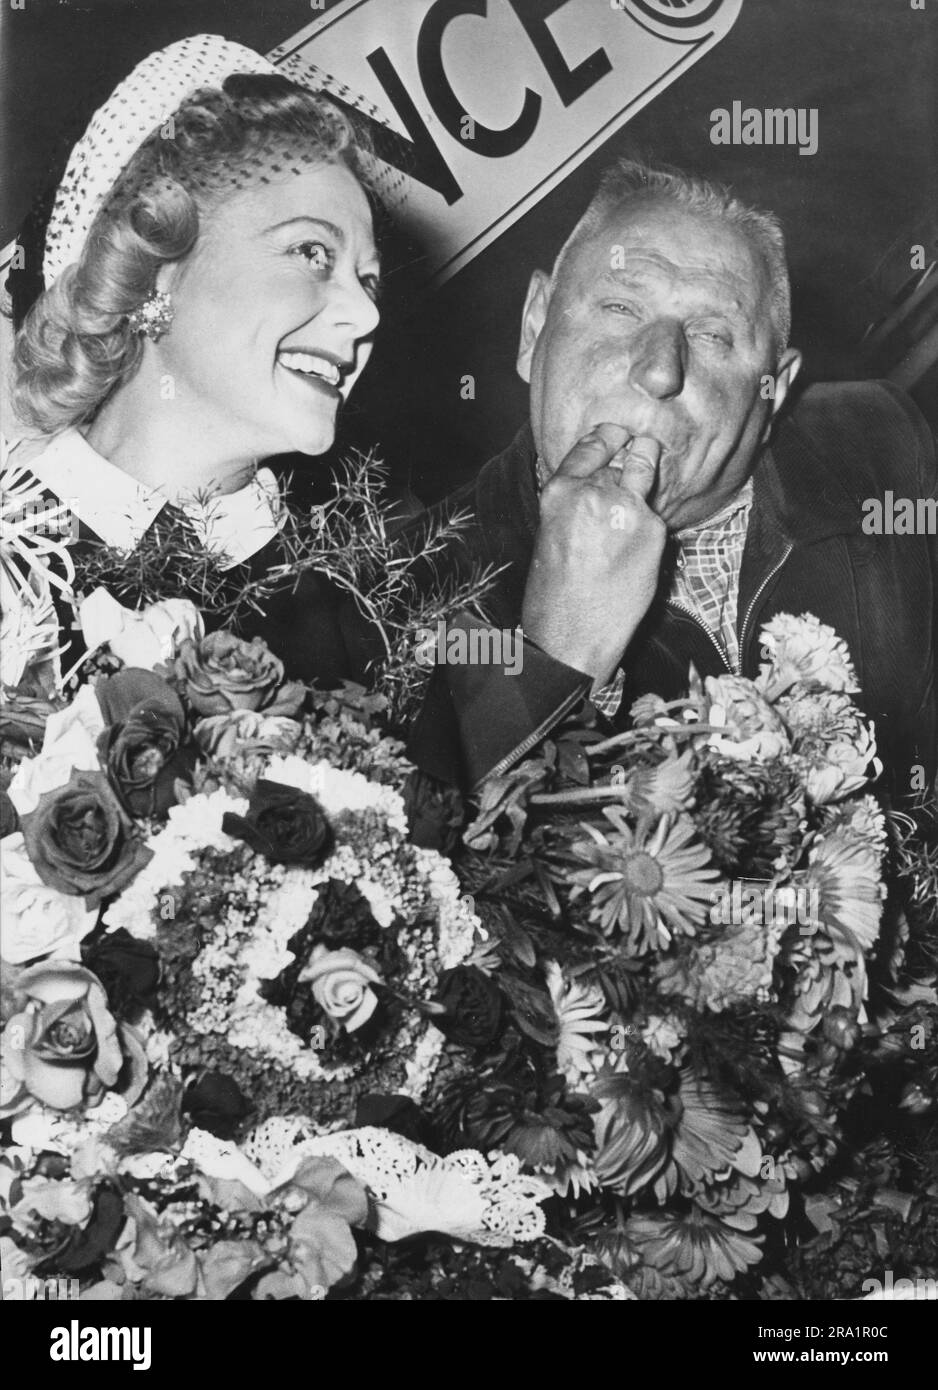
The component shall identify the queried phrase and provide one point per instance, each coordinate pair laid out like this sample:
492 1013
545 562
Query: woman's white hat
142 103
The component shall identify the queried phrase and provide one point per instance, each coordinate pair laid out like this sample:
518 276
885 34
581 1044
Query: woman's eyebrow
334 231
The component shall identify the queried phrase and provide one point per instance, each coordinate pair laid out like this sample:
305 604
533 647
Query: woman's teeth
312 365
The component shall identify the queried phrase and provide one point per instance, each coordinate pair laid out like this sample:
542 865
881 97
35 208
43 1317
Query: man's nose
657 361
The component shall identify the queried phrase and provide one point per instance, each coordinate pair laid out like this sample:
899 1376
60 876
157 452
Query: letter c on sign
494 144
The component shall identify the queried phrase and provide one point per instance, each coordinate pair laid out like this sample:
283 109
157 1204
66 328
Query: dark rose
473 1004
283 824
128 969
216 1103
144 748
9 820
399 1114
342 916
81 840
435 812
221 673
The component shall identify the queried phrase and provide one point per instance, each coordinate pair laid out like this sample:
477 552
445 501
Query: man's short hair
627 179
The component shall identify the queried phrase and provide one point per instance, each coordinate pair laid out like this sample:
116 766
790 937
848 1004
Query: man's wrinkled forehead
655 244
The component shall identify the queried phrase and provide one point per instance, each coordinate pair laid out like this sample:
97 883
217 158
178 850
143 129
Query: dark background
869 66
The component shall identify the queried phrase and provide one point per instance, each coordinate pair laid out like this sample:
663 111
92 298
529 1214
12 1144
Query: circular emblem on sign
671 15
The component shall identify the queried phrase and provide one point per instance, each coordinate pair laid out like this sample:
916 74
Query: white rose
143 639
70 741
342 983
37 920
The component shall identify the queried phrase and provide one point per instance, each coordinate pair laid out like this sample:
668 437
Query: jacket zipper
535 737
675 603
755 598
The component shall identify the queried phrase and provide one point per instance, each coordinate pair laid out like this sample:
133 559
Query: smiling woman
211 281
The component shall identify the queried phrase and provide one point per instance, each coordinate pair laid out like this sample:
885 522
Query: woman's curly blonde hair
75 344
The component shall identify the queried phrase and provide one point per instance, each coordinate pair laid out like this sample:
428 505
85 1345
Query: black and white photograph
468 691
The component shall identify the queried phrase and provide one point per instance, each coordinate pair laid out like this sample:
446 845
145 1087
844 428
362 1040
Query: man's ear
789 365
532 321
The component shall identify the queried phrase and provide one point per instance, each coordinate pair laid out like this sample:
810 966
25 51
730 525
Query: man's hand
598 552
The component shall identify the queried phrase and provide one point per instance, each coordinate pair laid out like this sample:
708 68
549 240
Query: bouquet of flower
222 955
257 1032
671 1014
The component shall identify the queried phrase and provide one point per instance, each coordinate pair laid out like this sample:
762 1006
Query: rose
221 673
81 841
286 826
129 969
435 812
215 1103
473 1004
341 982
753 729
142 639
246 733
143 750
36 920
69 743
65 1048
399 1114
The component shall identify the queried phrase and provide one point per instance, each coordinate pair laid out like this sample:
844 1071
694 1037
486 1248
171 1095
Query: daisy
712 1137
579 1009
694 1246
651 884
845 874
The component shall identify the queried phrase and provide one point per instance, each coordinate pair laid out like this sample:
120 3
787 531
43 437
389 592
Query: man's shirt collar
119 509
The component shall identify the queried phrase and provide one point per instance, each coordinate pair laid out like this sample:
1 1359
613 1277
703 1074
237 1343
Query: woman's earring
153 317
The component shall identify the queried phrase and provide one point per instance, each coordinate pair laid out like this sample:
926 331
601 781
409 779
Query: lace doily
486 1200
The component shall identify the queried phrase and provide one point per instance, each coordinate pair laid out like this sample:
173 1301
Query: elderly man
658 510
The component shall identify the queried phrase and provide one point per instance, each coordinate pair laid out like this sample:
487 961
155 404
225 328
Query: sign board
483 106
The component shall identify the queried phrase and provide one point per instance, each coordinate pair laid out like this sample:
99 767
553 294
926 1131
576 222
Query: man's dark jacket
805 552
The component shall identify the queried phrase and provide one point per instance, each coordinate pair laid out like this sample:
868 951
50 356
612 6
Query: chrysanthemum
666 788
833 746
694 1246
650 883
737 967
803 651
749 727
750 816
846 876
862 819
579 1008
